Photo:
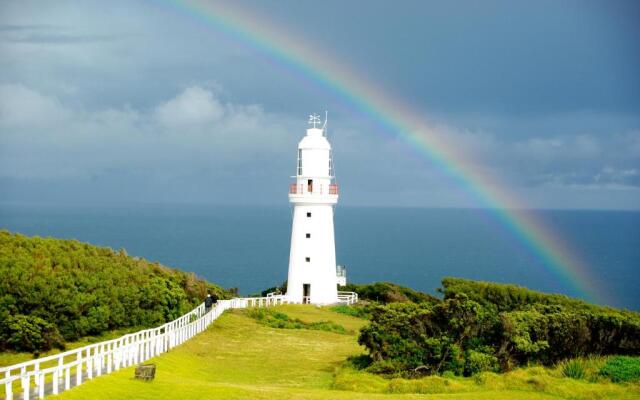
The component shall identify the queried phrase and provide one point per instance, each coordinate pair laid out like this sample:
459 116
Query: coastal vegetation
239 357
622 369
53 291
480 340
387 292
489 327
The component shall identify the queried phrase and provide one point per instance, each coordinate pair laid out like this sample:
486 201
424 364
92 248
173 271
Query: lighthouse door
306 293
310 185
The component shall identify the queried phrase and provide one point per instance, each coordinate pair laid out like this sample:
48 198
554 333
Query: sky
133 102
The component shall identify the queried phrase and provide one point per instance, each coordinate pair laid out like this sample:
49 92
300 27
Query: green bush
387 292
29 333
574 369
431 337
480 326
361 361
356 310
387 367
72 289
326 326
281 289
478 361
622 369
280 320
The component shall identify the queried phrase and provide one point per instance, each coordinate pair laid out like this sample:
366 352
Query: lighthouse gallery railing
319 189
58 372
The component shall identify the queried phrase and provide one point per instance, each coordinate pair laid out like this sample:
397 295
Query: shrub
387 292
75 290
477 361
281 289
358 311
387 367
29 333
495 327
326 326
361 361
574 369
431 337
622 369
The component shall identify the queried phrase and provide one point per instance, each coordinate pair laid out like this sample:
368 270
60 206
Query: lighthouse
312 260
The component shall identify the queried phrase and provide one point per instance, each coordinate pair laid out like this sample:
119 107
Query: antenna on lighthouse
324 126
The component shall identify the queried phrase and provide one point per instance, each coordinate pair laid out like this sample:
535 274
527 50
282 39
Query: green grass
358 311
523 383
622 369
586 368
574 369
277 319
240 358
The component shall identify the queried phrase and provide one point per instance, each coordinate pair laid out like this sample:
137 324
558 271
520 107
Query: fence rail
62 371
348 297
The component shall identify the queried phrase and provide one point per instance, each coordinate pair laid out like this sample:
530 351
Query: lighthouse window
308 215
308 235
299 162
307 259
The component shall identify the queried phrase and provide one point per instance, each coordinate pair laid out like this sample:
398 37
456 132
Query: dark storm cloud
120 100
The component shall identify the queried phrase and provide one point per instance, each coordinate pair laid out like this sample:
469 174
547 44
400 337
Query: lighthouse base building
312 261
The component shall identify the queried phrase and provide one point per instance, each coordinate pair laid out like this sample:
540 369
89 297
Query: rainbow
290 52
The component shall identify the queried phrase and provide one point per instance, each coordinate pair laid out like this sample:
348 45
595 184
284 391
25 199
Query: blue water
248 247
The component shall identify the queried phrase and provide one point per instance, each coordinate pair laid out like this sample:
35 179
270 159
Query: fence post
147 346
24 380
152 341
110 347
40 384
79 369
131 350
117 356
99 359
67 378
124 352
56 376
136 349
8 386
89 364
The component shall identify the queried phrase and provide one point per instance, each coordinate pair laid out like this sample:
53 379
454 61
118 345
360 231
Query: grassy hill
54 291
242 357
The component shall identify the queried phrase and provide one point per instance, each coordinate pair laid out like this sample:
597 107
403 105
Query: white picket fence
348 297
53 374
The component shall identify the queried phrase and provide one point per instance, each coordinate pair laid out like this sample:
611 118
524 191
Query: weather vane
314 119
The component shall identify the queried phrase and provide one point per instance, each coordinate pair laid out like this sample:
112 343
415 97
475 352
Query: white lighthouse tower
312 261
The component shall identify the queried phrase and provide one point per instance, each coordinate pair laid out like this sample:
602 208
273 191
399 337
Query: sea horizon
248 246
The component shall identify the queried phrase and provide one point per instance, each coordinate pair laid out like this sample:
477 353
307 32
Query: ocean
248 247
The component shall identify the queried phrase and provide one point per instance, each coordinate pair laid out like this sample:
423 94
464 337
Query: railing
348 297
302 188
53 374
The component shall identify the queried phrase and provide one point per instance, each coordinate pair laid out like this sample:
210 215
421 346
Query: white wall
320 271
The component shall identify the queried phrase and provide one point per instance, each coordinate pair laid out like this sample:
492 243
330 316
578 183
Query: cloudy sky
134 102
